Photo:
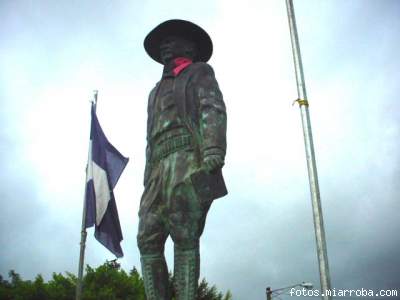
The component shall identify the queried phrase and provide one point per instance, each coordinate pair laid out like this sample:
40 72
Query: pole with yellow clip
310 156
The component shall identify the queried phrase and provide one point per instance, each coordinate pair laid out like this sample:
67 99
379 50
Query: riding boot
186 273
155 277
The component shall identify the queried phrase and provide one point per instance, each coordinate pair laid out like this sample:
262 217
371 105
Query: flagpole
78 295
310 156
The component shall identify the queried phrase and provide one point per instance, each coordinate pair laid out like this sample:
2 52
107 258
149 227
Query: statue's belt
169 146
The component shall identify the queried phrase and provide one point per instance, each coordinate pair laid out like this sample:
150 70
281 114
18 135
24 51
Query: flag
105 165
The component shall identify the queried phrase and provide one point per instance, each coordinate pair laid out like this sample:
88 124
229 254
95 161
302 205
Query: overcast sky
53 54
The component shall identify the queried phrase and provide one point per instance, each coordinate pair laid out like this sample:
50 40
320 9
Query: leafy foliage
106 282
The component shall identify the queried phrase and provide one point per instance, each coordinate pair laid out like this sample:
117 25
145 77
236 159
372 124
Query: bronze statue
186 146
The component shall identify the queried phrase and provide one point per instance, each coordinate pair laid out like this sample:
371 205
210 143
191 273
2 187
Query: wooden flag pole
78 295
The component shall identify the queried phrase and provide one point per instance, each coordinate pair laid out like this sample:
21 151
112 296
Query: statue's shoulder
199 70
154 89
152 94
156 86
201 67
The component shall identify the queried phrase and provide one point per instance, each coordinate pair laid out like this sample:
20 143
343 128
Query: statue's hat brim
181 28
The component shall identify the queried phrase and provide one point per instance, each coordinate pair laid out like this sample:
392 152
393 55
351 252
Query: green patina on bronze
186 146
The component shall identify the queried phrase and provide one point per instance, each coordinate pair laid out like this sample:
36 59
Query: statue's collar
176 66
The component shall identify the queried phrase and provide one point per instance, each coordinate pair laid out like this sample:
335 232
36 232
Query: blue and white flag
105 165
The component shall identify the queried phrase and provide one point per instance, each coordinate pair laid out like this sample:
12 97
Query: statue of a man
186 145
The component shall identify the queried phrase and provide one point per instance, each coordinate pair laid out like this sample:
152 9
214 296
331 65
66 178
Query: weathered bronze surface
186 146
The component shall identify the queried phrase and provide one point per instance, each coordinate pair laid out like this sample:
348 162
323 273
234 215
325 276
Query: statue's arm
212 117
147 169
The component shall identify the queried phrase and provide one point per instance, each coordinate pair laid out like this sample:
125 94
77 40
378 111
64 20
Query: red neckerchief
181 63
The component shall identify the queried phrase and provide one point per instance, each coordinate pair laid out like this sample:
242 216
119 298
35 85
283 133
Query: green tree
138 284
62 287
19 289
109 282
106 282
5 289
39 289
228 295
208 293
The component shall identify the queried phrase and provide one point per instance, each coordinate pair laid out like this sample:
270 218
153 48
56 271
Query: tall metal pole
269 293
310 155
78 295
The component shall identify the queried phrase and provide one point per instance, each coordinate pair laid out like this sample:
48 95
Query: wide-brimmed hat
180 28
